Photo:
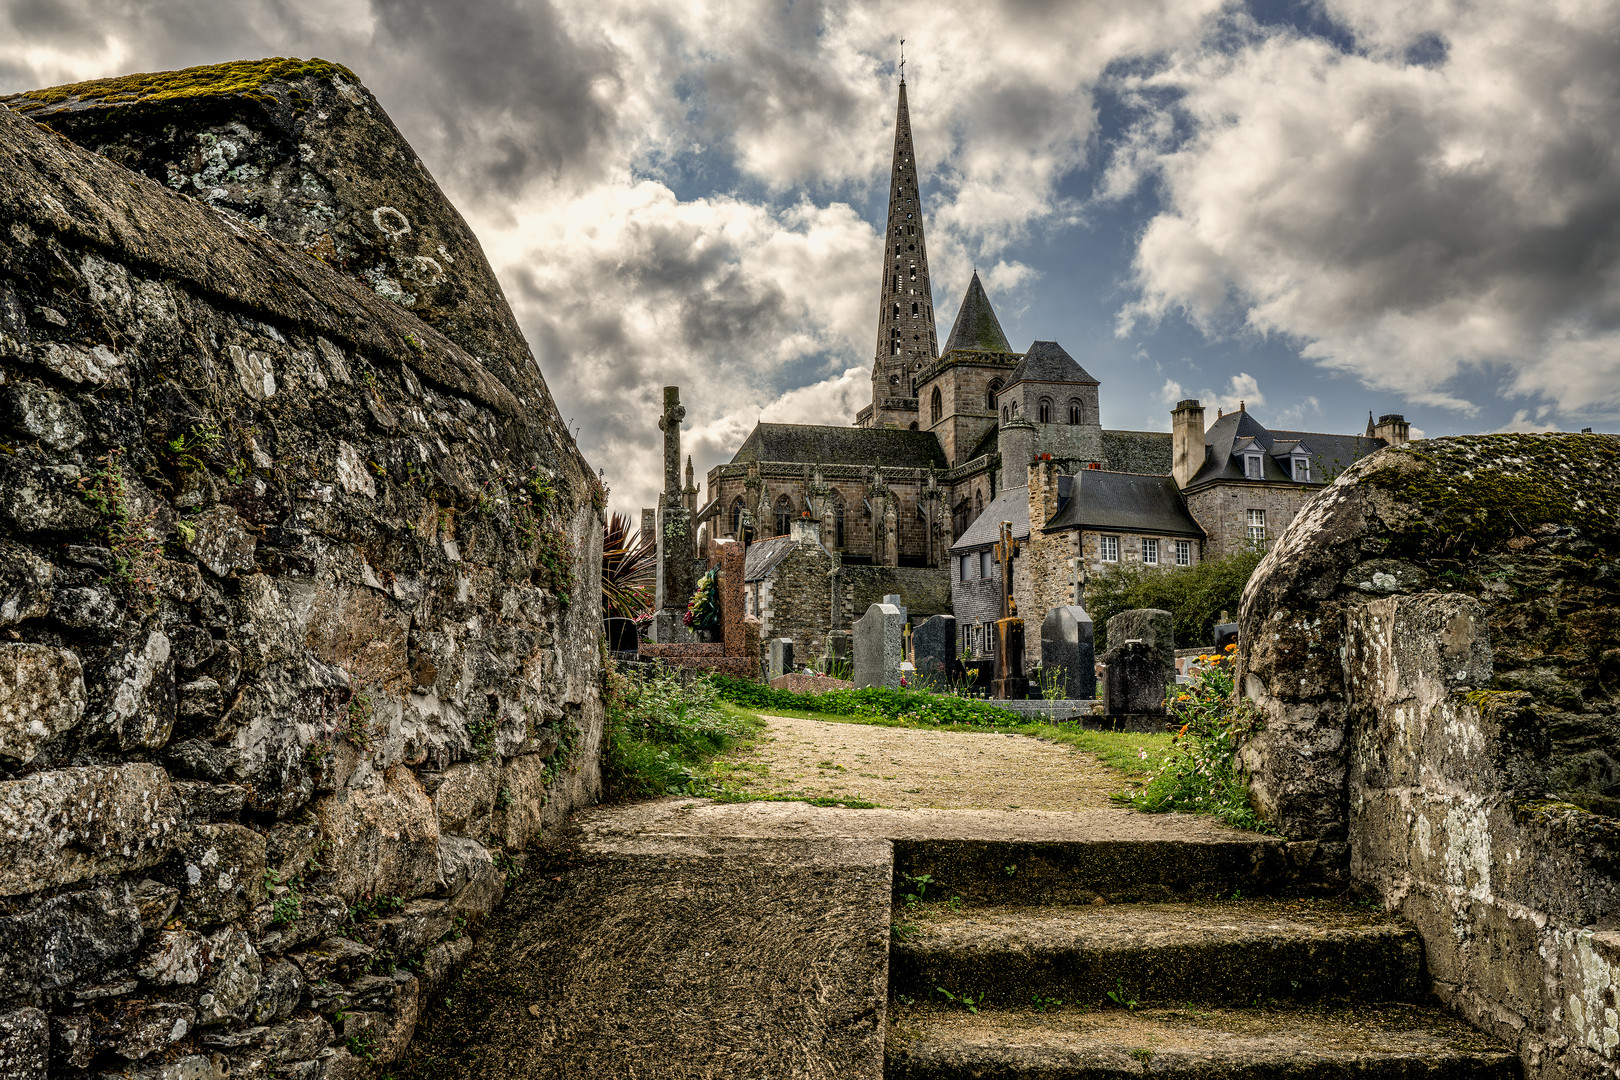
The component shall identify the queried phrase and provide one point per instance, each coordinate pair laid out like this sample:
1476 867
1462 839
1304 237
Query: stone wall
1434 645
299 622
1222 511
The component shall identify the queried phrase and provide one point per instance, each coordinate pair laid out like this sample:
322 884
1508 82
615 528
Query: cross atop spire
906 339
902 61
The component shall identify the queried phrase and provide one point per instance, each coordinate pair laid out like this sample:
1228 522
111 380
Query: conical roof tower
976 328
906 340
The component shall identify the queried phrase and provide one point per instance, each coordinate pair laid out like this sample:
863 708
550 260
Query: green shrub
872 701
661 731
1200 774
1194 596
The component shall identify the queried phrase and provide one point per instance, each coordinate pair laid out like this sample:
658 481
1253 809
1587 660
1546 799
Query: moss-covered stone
246 78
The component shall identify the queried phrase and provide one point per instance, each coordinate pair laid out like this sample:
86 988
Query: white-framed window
1109 547
989 639
1150 552
1254 467
984 564
1302 469
1257 526
1183 552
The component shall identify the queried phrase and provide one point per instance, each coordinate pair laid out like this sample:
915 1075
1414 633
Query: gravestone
1152 627
780 661
878 652
933 650
1010 683
677 570
1066 643
1136 680
1226 633
894 601
836 653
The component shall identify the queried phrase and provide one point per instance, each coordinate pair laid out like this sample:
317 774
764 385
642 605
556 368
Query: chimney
1016 442
1043 491
1393 429
805 531
1187 440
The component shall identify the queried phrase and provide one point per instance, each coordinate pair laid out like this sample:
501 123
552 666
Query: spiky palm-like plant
628 566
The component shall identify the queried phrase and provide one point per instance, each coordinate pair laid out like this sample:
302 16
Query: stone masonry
1434 645
299 598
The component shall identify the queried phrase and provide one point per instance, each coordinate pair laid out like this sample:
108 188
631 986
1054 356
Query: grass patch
663 733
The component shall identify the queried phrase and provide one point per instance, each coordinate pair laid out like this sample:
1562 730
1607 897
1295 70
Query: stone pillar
677 567
1010 681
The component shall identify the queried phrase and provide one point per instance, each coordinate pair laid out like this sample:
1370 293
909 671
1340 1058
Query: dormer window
1302 468
1254 466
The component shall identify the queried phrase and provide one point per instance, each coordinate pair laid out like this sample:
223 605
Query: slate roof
1129 502
1045 361
1011 505
1139 451
976 327
987 444
764 555
819 444
1229 436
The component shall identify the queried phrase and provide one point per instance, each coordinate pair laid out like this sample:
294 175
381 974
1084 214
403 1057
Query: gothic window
914 309
990 396
913 271
1004 413
1043 410
784 515
736 516
838 521
936 406
1074 411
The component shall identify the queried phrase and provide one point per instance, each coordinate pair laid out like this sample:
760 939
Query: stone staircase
1061 961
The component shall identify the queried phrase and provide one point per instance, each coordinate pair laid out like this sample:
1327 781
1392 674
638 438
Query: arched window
978 503
1074 411
838 520
1043 410
1004 413
913 426
897 311
936 406
1015 410
913 271
736 516
914 309
784 515
990 395
897 282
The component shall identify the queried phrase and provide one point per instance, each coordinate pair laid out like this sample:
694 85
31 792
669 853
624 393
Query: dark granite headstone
933 650
1136 680
878 651
780 659
1066 645
1153 627
1225 634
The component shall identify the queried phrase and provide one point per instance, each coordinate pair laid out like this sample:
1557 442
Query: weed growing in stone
1201 774
969 1002
1120 998
1041 1004
135 546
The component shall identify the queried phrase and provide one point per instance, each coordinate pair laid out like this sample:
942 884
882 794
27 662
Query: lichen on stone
240 77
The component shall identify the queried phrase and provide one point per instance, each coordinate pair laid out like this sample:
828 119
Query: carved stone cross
1006 551
670 425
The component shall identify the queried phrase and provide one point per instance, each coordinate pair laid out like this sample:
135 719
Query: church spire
906 339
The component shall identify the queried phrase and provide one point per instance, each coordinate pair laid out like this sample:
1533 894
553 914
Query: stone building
952 437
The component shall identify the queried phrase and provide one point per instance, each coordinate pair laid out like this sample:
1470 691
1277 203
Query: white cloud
1411 223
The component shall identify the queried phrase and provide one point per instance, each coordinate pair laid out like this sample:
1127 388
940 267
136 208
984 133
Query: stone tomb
1066 644
933 651
878 646
1151 626
1136 681
737 653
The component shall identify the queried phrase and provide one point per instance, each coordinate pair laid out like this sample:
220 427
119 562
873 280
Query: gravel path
907 768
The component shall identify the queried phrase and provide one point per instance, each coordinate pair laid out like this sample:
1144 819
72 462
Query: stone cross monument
677 570
1009 681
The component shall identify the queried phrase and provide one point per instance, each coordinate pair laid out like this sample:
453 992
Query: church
977 430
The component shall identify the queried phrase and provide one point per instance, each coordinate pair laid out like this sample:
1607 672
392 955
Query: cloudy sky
1323 208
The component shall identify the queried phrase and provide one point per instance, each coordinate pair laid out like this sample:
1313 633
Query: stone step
1082 870
1233 952
1365 1042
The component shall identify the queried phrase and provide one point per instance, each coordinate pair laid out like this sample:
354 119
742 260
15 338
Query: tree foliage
1195 596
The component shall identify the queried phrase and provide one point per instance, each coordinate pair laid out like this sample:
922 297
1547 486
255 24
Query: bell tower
906 341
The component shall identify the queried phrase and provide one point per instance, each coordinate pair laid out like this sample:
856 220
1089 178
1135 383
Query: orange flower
1231 647
1183 730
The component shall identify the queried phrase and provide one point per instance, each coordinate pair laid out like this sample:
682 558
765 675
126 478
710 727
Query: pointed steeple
976 327
906 338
